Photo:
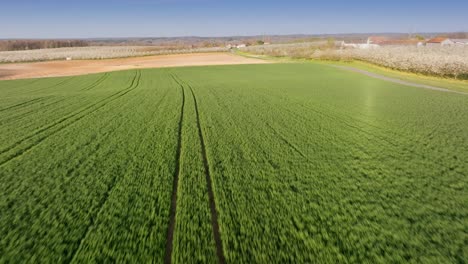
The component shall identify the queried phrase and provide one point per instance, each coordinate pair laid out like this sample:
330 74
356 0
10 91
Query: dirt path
80 67
395 80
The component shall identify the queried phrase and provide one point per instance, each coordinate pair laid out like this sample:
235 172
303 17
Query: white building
367 45
461 42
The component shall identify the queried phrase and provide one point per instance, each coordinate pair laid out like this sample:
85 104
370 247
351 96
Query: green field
278 163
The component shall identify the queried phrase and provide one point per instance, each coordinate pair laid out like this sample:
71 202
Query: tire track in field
135 83
57 84
286 141
175 185
47 87
83 161
209 183
67 117
96 83
379 136
93 219
103 201
24 103
20 116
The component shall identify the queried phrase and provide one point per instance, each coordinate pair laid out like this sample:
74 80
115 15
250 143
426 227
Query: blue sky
165 18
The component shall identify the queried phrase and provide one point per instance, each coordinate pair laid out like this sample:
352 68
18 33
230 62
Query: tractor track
286 141
338 119
18 118
175 185
103 201
96 83
209 183
24 103
84 161
135 83
57 84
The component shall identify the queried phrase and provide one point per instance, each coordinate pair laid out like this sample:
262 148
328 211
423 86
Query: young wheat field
273 163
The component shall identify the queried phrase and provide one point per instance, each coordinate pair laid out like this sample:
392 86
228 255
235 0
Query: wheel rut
175 185
96 83
24 103
209 183
66 81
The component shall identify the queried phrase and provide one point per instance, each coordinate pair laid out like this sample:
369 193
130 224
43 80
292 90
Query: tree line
9 45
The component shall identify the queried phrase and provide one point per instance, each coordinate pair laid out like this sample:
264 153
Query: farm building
440 41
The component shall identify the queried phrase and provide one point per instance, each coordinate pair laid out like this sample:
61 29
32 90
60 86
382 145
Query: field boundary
175 185
209 183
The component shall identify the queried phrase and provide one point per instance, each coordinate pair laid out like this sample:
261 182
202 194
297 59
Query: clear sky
165 18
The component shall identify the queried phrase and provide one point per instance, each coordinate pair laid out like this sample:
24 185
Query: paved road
395 80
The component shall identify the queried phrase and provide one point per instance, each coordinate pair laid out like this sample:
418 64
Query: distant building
460 41
385 41
367 45
440 42
378 40
236 46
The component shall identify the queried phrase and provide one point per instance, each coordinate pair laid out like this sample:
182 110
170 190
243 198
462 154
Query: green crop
281 163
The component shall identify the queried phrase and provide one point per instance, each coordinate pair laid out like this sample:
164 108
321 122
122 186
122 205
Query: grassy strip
452 84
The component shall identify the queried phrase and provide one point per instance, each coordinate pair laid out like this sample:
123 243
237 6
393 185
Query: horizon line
232 36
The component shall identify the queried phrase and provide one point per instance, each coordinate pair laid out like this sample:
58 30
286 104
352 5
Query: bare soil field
79 67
